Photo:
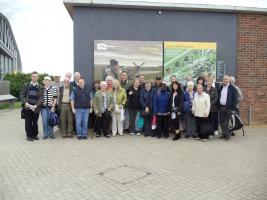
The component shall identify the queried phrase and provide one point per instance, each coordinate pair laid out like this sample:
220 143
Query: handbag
22 113
139 121
206 127
154 122
53 119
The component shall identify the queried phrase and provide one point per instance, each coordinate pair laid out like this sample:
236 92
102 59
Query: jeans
48 130
81 118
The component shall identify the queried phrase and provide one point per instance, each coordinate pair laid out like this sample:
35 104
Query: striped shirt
49 95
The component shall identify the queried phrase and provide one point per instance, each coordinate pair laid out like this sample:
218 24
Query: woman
161 110
189 118
103 106
134 106
213 116
120 99
49 104
200 109
201 81
92 117
176 107
146 100
109 80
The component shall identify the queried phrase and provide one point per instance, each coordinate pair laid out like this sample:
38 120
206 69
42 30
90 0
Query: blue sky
44 30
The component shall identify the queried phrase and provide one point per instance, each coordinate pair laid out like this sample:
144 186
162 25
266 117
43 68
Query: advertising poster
135 57
189 60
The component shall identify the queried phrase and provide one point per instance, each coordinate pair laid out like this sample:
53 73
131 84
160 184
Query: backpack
235 123
53 119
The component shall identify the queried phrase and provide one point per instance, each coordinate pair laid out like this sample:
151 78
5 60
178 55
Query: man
68 74
32 100
112 70
75 82
80 104
141 80
239 94
66 117
227 104
124 80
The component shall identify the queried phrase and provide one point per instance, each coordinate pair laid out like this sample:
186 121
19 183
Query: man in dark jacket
227 104
32 100
80 104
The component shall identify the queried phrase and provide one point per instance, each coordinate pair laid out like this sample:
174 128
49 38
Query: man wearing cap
112 70
32 100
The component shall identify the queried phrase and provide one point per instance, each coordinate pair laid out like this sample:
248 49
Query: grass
3 106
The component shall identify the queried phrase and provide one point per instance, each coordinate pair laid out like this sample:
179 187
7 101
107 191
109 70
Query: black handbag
22 113
206 127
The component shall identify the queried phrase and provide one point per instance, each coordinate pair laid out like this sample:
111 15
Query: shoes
187 136
197 138
138 134
52 137
107 136
64 136
29 139
157 137
70 136
216 133
120 134
193 136
165 137
177 137
204 140
132 133
79 137
227 138
97 135
45 137
85 137
36 138
221 137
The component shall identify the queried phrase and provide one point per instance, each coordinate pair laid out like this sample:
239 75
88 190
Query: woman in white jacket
201 109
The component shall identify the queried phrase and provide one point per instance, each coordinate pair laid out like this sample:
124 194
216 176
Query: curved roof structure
9 53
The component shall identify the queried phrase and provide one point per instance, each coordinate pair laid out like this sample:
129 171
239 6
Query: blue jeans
81 117
48 130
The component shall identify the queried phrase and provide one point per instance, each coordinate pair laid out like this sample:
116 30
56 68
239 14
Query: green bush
18 80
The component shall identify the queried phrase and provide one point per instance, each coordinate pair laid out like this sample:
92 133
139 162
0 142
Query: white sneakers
216 133
138 134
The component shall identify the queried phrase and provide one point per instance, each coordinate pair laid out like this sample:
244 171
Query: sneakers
204 140
216 133
107 136
45 137
138 134
132 133
114 134
197 138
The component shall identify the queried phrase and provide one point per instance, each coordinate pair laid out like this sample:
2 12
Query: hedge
19 79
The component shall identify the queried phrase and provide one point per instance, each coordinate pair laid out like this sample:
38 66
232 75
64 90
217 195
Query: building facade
9 53
240 35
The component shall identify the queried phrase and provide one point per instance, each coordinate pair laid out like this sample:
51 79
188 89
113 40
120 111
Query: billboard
189 59
135 57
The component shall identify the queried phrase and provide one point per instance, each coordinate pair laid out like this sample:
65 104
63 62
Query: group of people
118 106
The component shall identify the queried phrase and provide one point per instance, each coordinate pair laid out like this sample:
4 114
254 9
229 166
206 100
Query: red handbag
154 122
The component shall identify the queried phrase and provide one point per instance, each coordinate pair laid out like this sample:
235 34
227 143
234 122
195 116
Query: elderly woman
176 107
109 80
213 116
189 118
200 109
120 99
50 100
161 109
146 100
134 106
103 104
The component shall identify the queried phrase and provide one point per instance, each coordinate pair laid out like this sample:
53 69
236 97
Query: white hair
109 78
190 84
77 74
102 83
232 79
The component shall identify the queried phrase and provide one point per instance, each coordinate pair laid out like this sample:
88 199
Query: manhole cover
124 174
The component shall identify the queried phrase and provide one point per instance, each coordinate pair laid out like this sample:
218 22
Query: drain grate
124 174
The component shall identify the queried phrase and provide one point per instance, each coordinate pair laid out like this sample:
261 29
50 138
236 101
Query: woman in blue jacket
146 100
161 110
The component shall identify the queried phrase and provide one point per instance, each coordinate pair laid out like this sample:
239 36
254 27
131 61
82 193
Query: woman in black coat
176 107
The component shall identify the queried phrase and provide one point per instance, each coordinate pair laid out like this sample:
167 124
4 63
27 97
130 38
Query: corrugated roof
69 4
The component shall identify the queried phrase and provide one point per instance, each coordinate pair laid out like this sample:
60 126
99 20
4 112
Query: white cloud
44 31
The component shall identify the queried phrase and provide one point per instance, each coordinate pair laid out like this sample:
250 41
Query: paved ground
130 167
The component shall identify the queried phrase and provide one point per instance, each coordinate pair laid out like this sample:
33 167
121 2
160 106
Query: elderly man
75 82
124 82
69 75
32 100
66 117
227 104
80 104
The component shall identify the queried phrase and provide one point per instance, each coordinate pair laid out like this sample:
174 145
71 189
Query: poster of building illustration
135 57
189 59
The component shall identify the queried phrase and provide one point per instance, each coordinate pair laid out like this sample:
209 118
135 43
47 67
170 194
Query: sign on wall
189 59
135 57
